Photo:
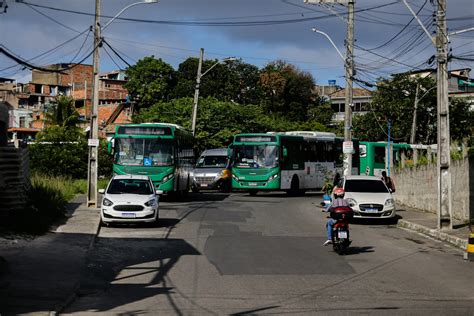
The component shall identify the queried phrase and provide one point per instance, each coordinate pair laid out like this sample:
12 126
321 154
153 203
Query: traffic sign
347 147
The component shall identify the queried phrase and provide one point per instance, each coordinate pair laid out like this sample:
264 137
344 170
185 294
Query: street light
94 130
348 65
198 83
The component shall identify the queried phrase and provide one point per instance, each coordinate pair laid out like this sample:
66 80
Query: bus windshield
255 156
143 152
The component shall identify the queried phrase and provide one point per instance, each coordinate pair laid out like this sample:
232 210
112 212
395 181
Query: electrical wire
117 54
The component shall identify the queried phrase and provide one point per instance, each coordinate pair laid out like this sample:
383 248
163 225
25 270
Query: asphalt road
221 254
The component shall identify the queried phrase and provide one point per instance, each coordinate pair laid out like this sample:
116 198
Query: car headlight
273 177
352 202
152 203
107 202
389 202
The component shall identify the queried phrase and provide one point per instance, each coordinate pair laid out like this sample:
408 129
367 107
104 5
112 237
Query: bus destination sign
255 139
144 130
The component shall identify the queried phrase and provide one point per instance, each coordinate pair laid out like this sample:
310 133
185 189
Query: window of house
38 88
22 121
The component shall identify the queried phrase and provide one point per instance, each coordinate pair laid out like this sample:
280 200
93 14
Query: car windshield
143 152
256 156
366 186
130 186
212 162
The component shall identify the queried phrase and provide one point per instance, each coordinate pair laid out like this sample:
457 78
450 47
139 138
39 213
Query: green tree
393 102
460 119
150 80
62 113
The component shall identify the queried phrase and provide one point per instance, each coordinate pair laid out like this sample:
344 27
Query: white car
129 198
369 197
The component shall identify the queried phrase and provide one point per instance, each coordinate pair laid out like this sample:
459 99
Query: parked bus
291 161
162 151
373 156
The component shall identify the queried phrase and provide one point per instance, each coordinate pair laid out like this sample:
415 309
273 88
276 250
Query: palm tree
62 113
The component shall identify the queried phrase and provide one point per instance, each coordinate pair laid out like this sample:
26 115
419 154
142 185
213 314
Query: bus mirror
110 145
229 152
285 152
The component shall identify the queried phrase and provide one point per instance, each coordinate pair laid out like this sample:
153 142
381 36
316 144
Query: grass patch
47 203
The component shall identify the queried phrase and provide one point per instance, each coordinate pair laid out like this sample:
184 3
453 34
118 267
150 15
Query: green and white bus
162 151
374 156
291 161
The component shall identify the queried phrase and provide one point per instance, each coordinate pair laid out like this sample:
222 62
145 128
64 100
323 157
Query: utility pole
347 148
443 157
349 65
94 128
413 125
196 92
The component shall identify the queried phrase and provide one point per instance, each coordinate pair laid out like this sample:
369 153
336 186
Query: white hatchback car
369 197
129 198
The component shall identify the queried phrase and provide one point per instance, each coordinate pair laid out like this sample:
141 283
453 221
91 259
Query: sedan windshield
365 186
256 156
212 162
143 152
130 186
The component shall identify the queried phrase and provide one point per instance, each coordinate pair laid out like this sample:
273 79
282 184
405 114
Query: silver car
212 171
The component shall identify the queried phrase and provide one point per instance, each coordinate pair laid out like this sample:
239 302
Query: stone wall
418 188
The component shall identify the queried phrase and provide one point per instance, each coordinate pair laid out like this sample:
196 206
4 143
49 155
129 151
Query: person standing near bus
388 181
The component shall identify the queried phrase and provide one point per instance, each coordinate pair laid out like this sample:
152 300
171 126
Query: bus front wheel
253 192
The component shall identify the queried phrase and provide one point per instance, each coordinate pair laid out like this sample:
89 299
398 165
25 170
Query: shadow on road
359 250
376 221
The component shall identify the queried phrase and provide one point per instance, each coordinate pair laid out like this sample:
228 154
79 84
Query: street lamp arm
217 63
419 22
127 7
330 40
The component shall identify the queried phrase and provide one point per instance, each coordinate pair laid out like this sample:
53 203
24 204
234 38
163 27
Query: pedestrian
388 181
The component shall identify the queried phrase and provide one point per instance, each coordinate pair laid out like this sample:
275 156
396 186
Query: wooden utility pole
94 128
444 157
413 126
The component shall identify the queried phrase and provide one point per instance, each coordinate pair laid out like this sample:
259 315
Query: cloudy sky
257 31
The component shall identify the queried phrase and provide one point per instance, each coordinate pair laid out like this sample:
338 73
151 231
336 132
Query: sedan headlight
273 177
351 202
389 202
107 202
151 203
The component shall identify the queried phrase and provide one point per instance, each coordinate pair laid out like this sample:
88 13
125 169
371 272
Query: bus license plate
252 184
129 215
342 234
371 210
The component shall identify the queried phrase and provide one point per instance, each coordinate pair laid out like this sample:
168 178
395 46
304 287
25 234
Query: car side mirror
159 192
101 191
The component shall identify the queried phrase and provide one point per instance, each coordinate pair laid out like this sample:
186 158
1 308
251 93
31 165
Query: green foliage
149 80
394 101
62 113
59 151
105 160
460 119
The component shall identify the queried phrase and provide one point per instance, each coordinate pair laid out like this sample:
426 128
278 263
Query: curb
457 242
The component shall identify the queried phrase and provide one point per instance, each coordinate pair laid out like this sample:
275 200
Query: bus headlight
273 177
235 177
167 178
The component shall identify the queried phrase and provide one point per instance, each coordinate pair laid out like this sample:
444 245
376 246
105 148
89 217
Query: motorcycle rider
338 201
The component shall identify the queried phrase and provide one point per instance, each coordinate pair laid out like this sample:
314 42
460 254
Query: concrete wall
418 188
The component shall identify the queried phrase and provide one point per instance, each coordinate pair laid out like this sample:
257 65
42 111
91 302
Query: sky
387 38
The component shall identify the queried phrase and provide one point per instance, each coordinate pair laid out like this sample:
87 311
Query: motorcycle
340 229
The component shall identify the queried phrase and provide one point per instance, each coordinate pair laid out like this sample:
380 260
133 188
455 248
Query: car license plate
342 234
204 185
252 184
129 215
371 210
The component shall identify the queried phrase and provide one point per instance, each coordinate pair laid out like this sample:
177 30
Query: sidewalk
427 224
39 276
